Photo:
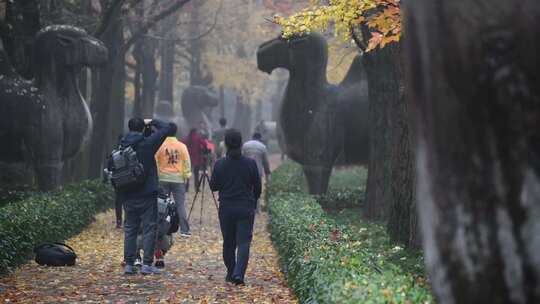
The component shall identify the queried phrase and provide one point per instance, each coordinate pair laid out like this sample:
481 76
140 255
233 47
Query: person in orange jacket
174 170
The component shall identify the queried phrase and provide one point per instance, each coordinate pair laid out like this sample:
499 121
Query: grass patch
332 255
48 217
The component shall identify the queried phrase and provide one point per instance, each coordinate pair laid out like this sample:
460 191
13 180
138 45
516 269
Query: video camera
148 130
206 153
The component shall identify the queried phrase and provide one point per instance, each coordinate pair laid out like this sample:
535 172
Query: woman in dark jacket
237 179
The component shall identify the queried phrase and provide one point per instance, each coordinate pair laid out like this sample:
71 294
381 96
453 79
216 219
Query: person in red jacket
197 146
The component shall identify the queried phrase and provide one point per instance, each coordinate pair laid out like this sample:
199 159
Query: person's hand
147 121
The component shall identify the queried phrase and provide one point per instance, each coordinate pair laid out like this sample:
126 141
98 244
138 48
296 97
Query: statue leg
317 178
49 175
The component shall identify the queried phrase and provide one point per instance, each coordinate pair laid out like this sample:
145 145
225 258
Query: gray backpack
126 172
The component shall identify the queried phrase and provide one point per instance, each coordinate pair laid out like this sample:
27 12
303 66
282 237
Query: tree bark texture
166 77
22 22
103 90
474 85
149 77
383 81
401 226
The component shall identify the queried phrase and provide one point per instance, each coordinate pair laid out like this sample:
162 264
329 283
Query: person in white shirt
256 150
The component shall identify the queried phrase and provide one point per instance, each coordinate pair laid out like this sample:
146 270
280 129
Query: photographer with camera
199 153
140 196
237 179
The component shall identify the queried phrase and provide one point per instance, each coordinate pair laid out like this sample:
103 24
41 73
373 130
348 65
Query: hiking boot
138 263
149 269
130 270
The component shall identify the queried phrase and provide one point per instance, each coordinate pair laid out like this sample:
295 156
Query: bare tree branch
359 43
152 22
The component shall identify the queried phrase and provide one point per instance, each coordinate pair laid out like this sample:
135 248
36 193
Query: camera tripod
203 180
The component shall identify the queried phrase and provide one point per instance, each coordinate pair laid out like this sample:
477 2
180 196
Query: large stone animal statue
320 122
46 121
196 101
164 110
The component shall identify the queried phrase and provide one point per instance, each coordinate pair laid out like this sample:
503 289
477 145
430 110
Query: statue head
67 46
299 52
164 110
202 96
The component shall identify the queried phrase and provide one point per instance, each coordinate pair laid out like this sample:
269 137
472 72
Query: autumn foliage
381 17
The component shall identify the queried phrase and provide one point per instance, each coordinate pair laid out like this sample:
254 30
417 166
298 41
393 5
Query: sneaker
160 264
138 263
229 279
185 234
130 270
149 269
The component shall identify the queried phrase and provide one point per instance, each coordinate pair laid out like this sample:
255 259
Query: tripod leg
193 204
213 196
202 185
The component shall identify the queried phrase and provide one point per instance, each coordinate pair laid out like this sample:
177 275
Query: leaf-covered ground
194 270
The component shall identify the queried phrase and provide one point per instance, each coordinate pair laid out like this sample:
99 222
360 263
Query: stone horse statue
196 101
46 121
320 123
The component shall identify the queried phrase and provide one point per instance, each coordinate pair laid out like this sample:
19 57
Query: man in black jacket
237 179
140 204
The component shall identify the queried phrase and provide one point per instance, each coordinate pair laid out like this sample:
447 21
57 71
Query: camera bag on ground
55 254
127 171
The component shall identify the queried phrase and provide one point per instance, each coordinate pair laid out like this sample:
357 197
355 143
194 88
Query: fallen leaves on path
194 270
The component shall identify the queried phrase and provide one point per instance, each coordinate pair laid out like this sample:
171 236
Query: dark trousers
140 211
237 230
118 209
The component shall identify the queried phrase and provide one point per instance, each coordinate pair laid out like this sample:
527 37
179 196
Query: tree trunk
473 70
149 77
168 52
382 71
221 102
195 47
137 87
400 226
117 114
102 94
22 22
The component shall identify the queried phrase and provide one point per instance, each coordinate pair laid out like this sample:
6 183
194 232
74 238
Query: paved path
194 270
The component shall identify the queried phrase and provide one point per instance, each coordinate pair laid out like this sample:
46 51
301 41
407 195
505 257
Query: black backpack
55 254
126 169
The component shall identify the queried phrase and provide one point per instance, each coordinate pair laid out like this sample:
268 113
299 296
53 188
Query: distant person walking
236 177
174 169
256 150
196 145
218 137
262 129
140 204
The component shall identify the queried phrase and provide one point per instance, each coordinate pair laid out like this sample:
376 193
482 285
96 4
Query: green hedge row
48 217
8 196
327 261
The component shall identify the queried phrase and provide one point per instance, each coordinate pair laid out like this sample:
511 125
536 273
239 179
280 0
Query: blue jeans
237 230
178 191
140 211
